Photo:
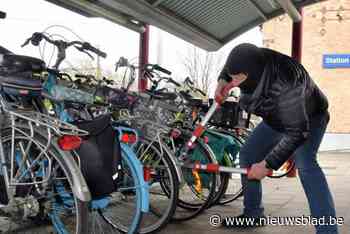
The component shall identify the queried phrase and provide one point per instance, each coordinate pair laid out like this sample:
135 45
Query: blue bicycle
123 208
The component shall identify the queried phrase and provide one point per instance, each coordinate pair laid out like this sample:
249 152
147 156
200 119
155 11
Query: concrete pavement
283 197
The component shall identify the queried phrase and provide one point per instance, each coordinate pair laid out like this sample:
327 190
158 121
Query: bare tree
202 67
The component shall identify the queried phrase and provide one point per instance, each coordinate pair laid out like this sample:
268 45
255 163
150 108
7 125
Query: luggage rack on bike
59 127
38 119
24 125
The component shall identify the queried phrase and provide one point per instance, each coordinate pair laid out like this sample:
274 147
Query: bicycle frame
126 149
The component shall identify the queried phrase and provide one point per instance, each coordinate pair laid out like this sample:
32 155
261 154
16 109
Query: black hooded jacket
286 98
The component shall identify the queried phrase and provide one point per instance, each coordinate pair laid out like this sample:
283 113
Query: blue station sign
336 60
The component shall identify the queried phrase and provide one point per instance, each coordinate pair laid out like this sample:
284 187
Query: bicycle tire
136 215
81 226
157 218
222 197
187 210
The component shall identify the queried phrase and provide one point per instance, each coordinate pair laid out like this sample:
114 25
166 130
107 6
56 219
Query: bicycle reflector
69 142
147 173
128 138
197 182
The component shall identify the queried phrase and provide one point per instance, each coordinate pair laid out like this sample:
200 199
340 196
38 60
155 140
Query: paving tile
282 197
285 197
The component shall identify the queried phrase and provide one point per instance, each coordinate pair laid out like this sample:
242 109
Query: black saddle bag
100 156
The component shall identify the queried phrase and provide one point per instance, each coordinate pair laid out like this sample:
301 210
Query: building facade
326 53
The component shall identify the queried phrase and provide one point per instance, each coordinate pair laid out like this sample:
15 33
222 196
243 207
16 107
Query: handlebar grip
188 79
36 38
2 15
82 76
102 54
201 92
159 68
99 52
174 82
87 46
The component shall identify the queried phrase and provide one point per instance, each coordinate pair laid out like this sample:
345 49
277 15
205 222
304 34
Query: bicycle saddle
12 63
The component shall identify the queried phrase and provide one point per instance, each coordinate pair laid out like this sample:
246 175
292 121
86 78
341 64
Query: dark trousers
312 178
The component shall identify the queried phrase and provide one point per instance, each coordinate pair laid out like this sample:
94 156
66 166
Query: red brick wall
323 33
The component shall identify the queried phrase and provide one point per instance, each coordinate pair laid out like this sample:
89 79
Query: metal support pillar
143 57
297 39
297 44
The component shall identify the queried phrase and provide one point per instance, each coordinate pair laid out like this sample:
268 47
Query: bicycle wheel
162 201
230 187
198 188
42 200
121 210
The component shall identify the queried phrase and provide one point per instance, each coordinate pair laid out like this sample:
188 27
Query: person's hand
218 92
258 171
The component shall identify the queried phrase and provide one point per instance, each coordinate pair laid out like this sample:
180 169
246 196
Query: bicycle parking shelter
206 24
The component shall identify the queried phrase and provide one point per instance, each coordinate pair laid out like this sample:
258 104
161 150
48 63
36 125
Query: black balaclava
248 59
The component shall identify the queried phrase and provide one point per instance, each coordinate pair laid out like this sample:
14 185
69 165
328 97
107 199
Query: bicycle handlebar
188 81
88 46
151 67
107 81
161 69
190 84
36 38
62 46
170 80
86 77
62 74
2 15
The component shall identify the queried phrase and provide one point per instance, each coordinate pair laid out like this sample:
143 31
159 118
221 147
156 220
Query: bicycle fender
80 188
129 153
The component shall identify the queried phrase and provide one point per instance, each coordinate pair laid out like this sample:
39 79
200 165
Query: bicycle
38 170
157 112
131 192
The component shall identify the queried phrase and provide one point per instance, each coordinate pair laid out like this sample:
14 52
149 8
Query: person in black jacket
294 111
